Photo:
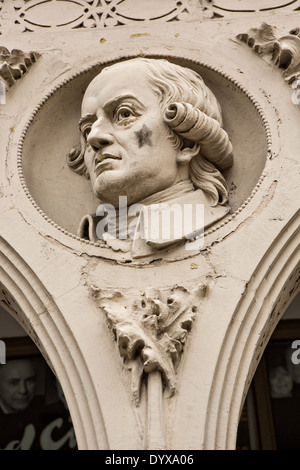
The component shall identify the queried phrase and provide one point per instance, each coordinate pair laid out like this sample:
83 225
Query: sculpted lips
102 160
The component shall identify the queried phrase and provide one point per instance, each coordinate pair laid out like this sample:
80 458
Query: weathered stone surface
249 258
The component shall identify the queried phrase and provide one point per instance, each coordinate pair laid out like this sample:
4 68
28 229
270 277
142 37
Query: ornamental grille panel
37 15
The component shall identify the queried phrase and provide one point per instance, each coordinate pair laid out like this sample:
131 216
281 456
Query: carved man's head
146 125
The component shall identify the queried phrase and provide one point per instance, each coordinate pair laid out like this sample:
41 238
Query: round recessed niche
63 197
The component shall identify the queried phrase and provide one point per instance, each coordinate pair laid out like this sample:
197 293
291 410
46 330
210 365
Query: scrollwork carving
230 8
33 15
14 64
151 329
283 52
37 15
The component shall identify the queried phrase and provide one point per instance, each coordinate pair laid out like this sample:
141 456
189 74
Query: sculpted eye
86 131
85 124
124 113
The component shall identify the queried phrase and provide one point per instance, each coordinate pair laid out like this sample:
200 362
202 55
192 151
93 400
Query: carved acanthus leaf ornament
151 330
284 52
13 64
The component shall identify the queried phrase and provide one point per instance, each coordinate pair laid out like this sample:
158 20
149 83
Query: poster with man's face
33 411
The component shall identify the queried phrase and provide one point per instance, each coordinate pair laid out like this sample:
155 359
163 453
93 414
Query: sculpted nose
99 138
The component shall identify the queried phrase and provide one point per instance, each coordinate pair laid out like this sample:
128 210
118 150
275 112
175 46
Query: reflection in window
33 410
284 386
272 408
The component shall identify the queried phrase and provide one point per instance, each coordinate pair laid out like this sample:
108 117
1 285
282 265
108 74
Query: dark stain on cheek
143 136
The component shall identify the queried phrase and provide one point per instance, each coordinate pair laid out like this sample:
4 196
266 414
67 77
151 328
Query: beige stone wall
248 263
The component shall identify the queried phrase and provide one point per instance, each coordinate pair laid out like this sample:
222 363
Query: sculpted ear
186 154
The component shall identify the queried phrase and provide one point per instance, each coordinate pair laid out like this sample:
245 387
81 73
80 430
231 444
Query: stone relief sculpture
230 8
151 139
283 52
13 64
151 134
151 330
66 14
33 15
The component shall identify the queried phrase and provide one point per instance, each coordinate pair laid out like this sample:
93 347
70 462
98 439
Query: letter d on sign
2 352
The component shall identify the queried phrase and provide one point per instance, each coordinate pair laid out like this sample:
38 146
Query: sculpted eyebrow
110 104
85 119
118 99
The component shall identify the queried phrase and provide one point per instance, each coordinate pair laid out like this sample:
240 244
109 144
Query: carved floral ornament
14 64
151 329
283 52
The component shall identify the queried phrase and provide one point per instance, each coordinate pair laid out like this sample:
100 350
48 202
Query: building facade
81 300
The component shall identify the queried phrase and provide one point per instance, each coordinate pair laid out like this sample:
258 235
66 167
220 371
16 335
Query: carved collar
146 226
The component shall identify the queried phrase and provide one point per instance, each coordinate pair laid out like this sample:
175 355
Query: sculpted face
128 150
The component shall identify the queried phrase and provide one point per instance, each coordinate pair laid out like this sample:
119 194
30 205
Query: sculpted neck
177 190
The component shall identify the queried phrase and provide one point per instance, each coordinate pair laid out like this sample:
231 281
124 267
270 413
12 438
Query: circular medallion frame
32 184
